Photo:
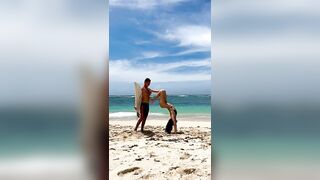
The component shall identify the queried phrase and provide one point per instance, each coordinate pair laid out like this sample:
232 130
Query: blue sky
166 40
260 48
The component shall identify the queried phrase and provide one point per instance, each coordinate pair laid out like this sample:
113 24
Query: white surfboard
137 97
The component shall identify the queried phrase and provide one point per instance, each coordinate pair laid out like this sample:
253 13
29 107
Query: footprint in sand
126 171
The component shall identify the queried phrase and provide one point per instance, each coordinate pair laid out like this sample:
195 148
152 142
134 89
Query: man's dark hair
147 80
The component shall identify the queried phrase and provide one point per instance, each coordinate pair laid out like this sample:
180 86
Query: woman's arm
154 98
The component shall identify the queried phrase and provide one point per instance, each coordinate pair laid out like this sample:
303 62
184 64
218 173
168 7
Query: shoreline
161 123
194 118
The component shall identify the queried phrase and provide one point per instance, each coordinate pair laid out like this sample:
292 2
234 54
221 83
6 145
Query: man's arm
154 91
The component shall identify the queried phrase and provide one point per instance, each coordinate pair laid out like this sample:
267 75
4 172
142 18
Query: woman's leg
173 116
175 122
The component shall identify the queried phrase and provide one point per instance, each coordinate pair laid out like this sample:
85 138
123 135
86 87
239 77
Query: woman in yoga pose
164 104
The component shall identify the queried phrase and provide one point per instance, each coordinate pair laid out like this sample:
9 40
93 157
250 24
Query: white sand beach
154 154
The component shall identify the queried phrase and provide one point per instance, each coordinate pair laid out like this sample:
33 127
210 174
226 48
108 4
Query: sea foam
130 114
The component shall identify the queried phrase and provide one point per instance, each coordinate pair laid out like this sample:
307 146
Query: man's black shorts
144 109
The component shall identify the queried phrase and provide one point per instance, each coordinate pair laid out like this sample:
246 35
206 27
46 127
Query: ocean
264 133
28 131
186 105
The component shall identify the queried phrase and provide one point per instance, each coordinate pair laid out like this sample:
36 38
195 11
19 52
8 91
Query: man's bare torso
146 92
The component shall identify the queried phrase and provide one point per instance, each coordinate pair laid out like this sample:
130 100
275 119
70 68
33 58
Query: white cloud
143 4
127 71
192 36
156 54
151 54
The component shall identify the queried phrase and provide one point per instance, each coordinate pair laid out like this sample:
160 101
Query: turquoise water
185 104
28 131
266 133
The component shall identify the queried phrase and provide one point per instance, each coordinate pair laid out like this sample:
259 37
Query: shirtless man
162 94
144 108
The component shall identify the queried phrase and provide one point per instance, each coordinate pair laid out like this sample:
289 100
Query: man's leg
142 125
145 115
140 118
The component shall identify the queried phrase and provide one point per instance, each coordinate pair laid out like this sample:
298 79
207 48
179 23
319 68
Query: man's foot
142 130
135 129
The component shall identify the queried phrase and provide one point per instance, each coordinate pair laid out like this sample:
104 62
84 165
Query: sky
260 49
266 51
168 41
43 45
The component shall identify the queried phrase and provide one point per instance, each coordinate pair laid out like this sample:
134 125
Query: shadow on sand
148 133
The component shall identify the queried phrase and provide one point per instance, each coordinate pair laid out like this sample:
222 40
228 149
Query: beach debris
135 145
152 139
185 156
164 145
152 155
156 160
173 168
139 158
126 171
189 170
148 176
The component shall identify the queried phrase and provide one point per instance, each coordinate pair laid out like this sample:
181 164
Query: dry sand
154 154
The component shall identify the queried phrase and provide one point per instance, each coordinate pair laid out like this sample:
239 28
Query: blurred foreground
53 95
